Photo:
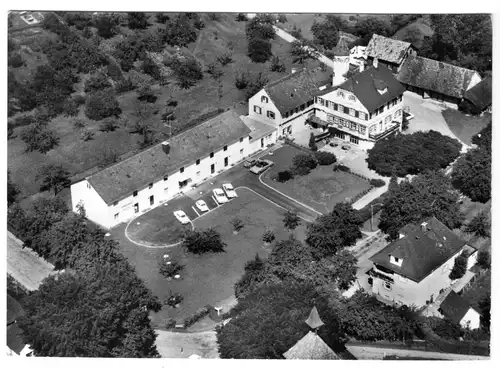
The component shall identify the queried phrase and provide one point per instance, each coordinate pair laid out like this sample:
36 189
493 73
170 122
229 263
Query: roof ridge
286 77
158 144
444 62
393 39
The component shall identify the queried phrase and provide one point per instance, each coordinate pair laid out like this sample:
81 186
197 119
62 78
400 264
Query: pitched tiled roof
422 252
342 47
364 86
121 179
433 75
295 89
311 347
454 307
387 49
480 94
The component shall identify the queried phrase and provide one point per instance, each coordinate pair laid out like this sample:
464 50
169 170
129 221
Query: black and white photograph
286 185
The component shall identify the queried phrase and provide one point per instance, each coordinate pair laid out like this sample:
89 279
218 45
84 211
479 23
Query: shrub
242 79
124 85
445 328
484 259
170 323
161 17
241 17
237 224
170 268
102 104
15 60
87 135
203 241
23 121
257 83
191 320
38 138
413 153
277 65
108 125
304 160
259 50
214 16
174 299
291 220
97 82
225 58
188 73
377 182
460 266
268 236
284 176
312 143
78 124
479 225
325 158
78 99
70 108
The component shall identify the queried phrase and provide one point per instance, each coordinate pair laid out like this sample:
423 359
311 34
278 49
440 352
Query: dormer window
264 99
382 91
396 261
352 97
340 94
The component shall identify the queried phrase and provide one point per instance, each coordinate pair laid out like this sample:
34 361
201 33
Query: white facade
159 190
340 68
262 108
261 143
471 320
356 124
405 291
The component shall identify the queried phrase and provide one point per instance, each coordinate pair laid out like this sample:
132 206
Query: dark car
249 163
346 147
261 166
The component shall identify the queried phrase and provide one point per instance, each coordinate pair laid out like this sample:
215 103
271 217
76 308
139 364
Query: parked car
181 216
261 166
346 147
202 206
334 144
229 190
249 163
219 195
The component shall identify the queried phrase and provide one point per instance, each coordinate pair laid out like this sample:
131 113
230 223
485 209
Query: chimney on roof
423 226
375 62
166 147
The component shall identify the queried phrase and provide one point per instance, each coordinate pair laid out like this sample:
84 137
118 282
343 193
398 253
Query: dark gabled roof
454 307
296 89
311 347
118 181
364 86
480 94
433 75
422 252
387 49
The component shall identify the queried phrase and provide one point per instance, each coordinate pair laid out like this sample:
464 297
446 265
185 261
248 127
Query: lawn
209 279
81 158
465 127
321 189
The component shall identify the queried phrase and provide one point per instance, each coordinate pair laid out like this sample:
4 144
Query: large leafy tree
270 321
12 190
261 26
472 174
102 104
203 241
429 194
53 177
100 314
412 154
38 137
303 51
334 231
363 317
137 20
259 50
326 33
479 225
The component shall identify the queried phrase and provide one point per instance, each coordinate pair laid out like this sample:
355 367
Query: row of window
346 123
298 109
269 113
390 104
165 178
343 109
349 96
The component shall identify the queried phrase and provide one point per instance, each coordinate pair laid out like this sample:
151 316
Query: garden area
209 278
321 189
465 126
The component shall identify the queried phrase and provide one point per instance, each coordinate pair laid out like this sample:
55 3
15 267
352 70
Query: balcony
390 130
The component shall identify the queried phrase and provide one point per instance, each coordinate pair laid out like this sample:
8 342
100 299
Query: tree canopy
326 32
334 231
270 321
53 177
428 194
412 154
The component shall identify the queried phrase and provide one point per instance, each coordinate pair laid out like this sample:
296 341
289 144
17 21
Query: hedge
377 182
325 158
200 313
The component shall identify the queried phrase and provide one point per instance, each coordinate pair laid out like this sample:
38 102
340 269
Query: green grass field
81 157
321 189
209 278
463 126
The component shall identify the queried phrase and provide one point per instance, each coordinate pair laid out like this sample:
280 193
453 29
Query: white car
202 206
181 216
230 192
219 195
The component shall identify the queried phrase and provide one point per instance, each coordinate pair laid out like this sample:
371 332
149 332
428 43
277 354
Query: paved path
377 353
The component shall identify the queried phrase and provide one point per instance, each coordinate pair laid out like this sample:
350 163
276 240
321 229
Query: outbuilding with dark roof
459 311
479 97
435 79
